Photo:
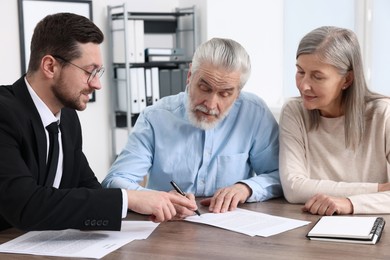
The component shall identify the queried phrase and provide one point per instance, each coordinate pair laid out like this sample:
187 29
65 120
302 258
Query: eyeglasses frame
95 72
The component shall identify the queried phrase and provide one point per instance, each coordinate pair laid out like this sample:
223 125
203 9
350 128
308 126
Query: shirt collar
46 115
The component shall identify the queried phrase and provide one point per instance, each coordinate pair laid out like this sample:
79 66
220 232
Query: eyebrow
313 71
228 88
96 66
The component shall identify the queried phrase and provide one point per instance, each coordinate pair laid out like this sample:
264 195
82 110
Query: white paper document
249 222
76 243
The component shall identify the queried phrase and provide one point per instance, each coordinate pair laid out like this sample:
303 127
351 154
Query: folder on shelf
350 229
148 86
176 81
123 97
165 82
155 84
134 93
141 88
139 41
118 39
121 89
164 52
135 41
164 58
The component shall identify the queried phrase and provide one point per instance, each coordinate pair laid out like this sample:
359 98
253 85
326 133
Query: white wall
9 51
298 22
258 26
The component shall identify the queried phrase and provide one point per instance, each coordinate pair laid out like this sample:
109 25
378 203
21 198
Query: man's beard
202 123
64 95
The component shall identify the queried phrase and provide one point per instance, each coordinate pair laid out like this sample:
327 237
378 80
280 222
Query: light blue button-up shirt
164 145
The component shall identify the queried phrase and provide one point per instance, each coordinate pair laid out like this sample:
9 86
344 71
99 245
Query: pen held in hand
177 188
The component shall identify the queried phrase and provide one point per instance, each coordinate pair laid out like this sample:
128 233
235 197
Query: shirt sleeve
135 160
264 158
377 203
125 202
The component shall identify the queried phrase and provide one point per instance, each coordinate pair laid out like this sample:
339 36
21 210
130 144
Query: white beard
202 123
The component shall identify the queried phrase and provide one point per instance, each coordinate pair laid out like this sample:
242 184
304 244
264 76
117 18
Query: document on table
76 243
249 222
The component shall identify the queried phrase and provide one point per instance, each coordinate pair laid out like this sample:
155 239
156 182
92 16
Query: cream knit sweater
318 162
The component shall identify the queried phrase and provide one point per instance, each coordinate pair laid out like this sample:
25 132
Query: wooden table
186 240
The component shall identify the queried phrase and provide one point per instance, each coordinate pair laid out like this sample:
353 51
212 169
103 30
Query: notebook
350 229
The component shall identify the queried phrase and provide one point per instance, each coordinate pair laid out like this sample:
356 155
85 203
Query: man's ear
49 66
189 74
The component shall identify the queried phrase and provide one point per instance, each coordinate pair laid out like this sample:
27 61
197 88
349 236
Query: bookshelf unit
133 38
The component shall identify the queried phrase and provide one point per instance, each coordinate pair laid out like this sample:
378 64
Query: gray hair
340 48
223 53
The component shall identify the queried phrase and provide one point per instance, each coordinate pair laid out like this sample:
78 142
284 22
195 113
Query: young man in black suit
65 67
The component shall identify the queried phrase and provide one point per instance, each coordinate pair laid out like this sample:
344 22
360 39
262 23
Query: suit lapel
67 151
38 132
41 146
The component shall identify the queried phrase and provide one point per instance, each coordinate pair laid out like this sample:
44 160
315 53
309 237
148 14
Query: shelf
152 15
160 64
133 88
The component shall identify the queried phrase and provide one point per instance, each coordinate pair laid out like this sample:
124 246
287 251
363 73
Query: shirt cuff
124 203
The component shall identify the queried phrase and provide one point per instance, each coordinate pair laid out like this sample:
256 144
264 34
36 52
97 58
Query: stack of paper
249 222
76 243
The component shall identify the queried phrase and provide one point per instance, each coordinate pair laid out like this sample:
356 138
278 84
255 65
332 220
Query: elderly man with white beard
213 140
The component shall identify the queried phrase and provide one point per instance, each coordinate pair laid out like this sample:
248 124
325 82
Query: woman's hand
321 204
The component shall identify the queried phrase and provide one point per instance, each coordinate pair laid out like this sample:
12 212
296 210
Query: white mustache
202 108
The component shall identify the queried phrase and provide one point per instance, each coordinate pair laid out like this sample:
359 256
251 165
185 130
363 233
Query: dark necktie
52 159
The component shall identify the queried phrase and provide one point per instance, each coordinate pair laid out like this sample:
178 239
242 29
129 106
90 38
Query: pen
177 188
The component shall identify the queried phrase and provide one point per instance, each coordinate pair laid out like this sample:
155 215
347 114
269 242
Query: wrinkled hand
321 204
183 212
160 205
227 199
384 186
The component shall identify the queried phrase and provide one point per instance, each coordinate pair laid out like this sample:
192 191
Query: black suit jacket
25 202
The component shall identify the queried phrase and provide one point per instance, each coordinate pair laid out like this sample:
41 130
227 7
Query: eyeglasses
96 72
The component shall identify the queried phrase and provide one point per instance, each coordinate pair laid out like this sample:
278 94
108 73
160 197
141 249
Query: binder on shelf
123 96
349 229
148 86
155 84
164 58
121 89
139 41
176 81
164 52
165 82
141 88
134 94
118 35
135 41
